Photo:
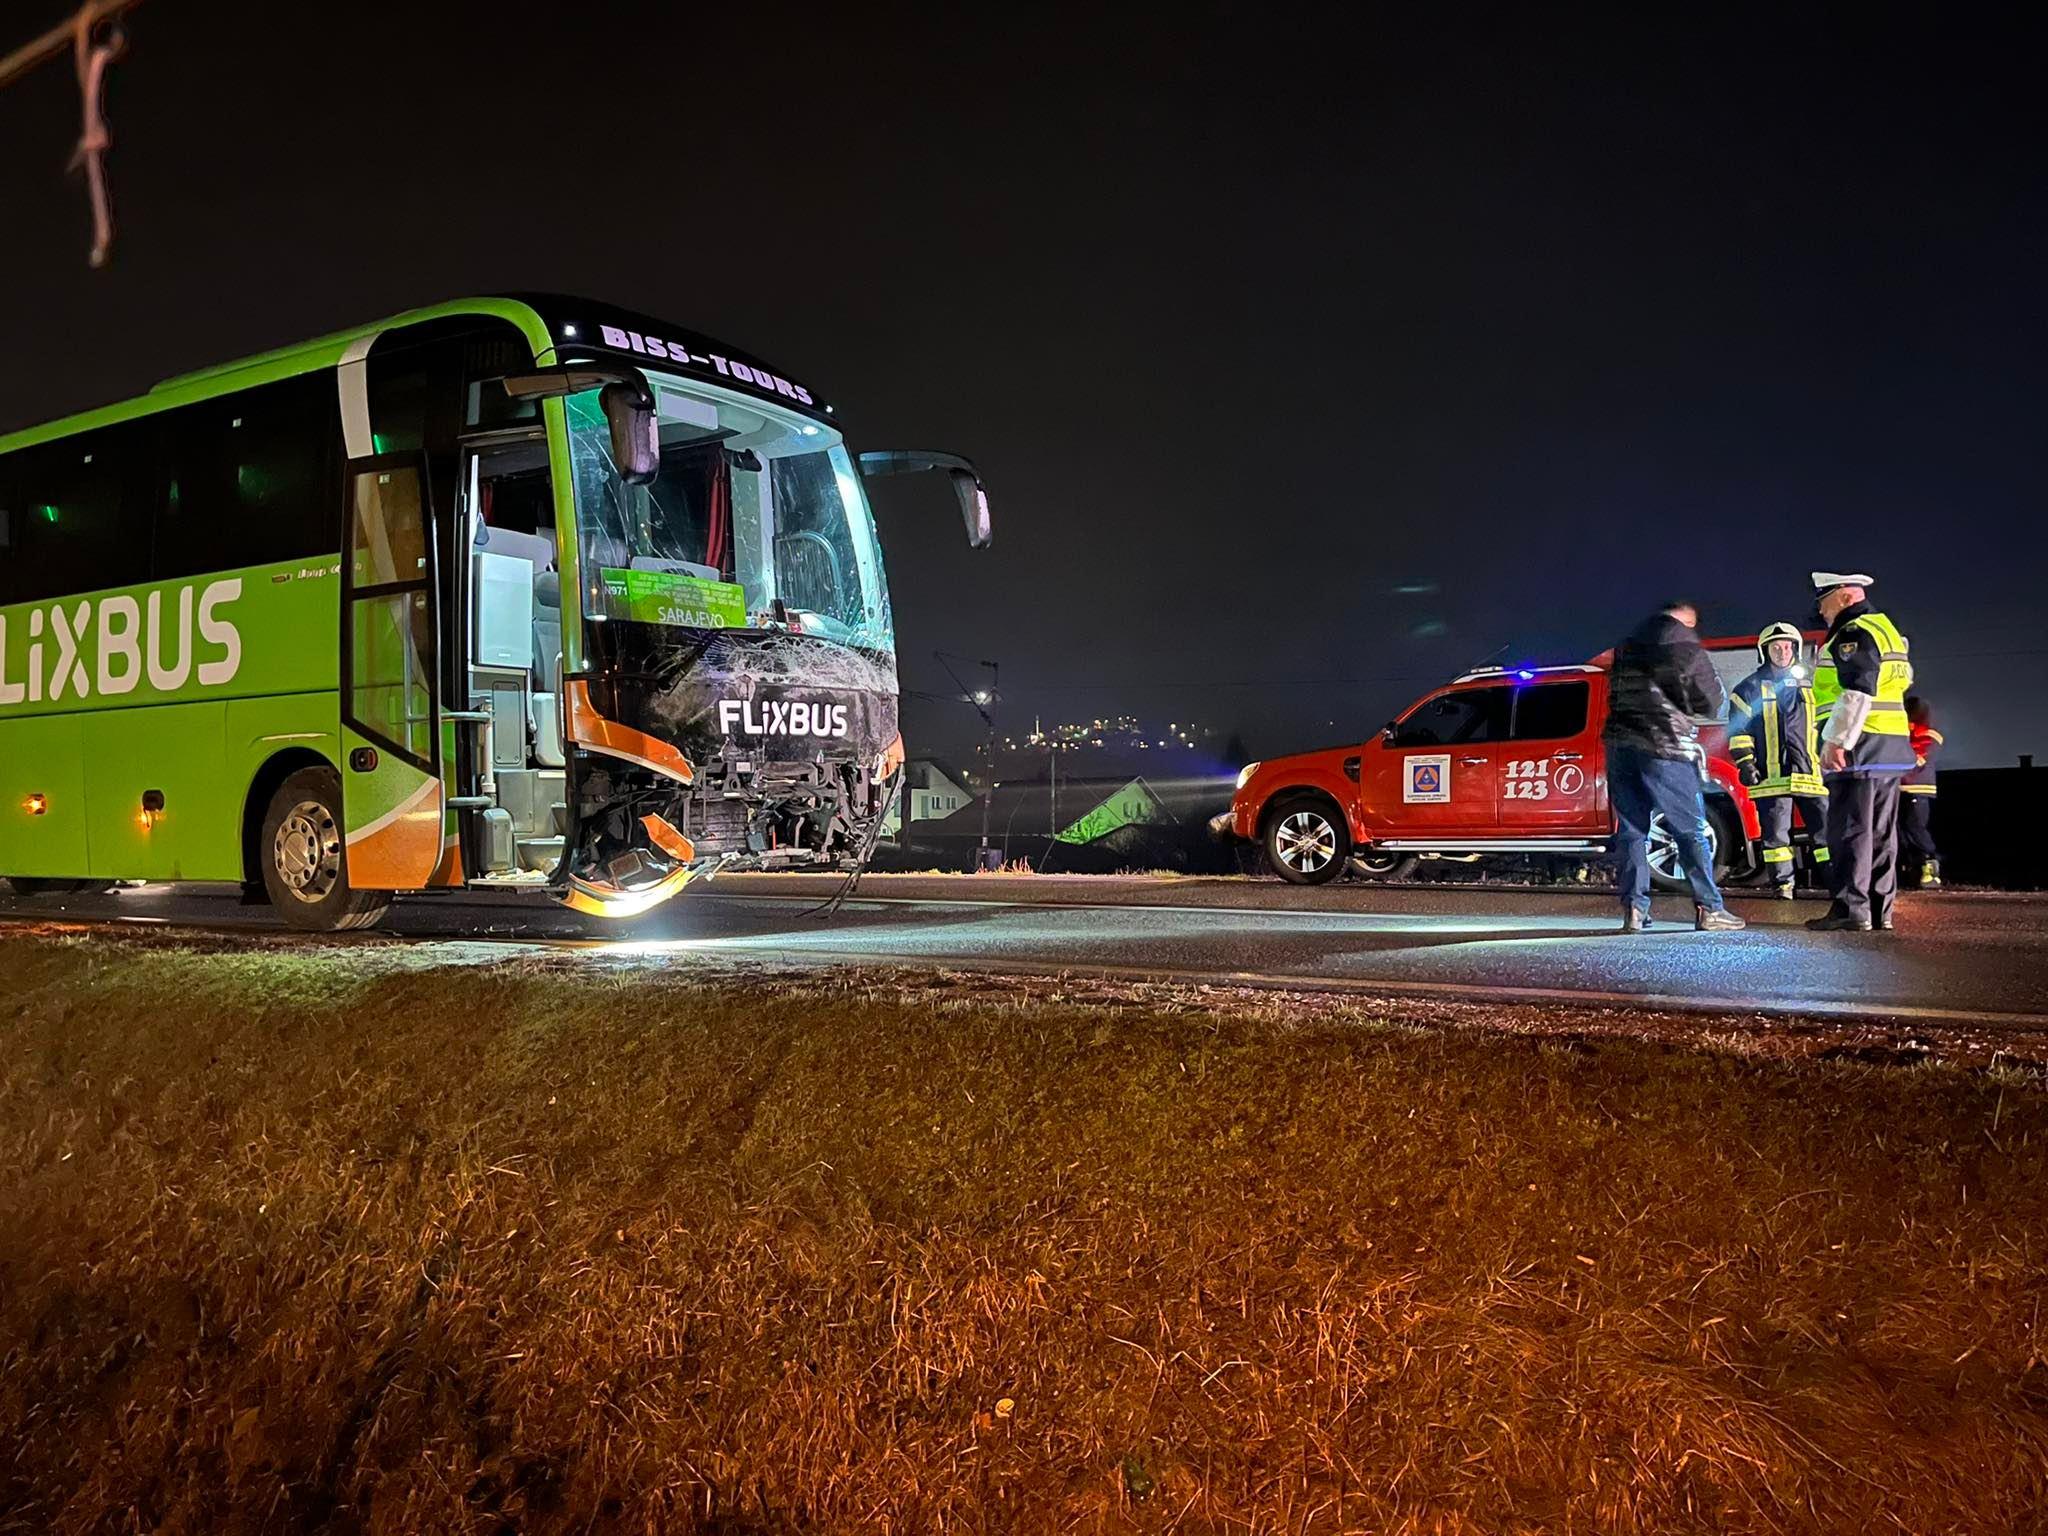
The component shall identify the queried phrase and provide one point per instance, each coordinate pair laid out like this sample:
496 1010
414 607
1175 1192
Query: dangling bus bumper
594 900
642 883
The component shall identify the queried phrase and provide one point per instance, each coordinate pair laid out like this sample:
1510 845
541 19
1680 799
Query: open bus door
392 794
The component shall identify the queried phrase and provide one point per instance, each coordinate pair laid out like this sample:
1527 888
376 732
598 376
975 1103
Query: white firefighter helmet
1779 631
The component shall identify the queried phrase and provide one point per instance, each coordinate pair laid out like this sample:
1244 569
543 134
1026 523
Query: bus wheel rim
307 851
1306 842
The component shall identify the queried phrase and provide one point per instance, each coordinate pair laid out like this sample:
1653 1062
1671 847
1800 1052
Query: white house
932 791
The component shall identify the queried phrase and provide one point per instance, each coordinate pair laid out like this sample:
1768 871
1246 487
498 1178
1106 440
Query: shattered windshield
756 520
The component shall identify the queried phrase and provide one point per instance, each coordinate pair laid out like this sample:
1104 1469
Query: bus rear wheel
304 857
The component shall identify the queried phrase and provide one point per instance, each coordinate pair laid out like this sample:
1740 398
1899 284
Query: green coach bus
510 592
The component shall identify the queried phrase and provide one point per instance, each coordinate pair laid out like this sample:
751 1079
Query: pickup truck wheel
1306 842
1667 872
1384 864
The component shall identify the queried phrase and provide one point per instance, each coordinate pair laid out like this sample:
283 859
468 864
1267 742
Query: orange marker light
35 805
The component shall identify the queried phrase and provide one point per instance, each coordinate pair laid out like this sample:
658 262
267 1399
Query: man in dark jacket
1660 681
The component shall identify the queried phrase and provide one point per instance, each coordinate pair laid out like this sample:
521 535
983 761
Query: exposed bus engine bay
636 832
729 749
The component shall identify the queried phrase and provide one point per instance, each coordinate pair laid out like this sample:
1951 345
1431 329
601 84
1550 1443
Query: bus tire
1306 841
303 854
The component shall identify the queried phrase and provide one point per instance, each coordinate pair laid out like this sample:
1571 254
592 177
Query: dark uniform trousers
1916 829
1863 843
1774 817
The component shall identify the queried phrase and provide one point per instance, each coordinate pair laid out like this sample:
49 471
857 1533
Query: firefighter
1772 733
1916 797
1860 686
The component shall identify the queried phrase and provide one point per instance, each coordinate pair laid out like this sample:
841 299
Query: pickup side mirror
967 487
628 404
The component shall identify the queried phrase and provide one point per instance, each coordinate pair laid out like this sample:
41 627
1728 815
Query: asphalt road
1955 958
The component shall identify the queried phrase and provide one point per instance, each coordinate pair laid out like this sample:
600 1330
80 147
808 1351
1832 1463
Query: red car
1501 761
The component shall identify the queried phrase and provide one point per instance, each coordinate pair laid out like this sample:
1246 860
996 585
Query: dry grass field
313 1239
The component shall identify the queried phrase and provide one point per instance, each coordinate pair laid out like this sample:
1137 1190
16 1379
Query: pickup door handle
1567 757
1471 760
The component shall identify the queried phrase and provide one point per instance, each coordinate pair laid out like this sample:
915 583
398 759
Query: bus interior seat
536 549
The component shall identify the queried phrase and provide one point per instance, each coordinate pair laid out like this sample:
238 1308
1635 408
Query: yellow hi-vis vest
1885 745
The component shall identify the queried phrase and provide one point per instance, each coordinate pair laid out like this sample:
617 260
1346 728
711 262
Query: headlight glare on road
1244 774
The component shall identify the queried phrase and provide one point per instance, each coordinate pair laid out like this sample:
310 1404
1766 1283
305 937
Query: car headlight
1244 774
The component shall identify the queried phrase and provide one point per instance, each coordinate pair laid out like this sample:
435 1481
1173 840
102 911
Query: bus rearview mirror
636 433
973 506
967 487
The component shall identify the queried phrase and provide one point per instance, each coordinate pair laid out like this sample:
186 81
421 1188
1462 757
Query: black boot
1838 921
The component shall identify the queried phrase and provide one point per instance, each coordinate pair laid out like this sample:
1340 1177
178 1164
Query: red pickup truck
1501 761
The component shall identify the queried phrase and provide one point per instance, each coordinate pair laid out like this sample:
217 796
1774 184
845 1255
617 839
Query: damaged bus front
736 704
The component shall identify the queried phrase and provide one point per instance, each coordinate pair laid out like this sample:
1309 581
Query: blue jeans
1638 785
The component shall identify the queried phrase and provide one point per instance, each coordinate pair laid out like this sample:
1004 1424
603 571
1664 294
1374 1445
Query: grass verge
330 1240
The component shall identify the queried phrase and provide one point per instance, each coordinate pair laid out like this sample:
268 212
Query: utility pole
981 699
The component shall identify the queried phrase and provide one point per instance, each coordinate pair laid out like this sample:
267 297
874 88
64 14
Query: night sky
1307 362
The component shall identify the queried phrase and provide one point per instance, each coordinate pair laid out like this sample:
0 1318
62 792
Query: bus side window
78 515
249 479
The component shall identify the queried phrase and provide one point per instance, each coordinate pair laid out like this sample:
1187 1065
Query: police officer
1860 685
1772 735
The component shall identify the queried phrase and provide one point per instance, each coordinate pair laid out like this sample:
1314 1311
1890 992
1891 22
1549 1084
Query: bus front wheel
304 856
